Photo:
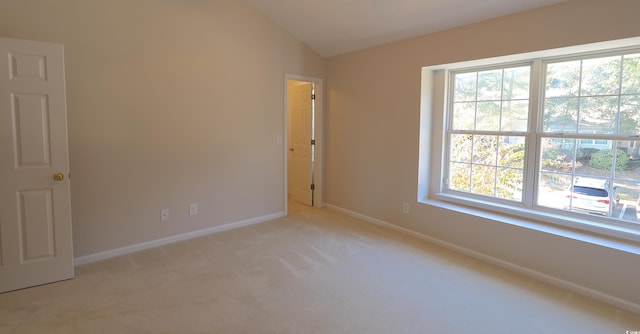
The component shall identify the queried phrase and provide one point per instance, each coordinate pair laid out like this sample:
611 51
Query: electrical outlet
193 209
164 214
405 208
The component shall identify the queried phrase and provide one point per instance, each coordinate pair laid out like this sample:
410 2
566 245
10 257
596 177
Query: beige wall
169 102
372 122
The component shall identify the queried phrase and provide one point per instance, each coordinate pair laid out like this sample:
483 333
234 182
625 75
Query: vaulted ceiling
332 27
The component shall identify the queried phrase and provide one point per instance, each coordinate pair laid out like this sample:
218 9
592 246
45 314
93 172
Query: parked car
592 196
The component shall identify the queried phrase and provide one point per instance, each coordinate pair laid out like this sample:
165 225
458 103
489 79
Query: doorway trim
317 133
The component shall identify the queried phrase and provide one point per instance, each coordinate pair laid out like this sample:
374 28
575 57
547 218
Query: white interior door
35 210
300 162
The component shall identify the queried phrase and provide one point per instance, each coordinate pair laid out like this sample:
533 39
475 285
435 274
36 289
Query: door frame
317 134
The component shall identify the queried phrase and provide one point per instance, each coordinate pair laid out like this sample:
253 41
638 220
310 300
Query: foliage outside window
580 128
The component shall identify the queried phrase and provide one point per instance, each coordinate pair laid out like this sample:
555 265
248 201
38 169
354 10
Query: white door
300 166
35 210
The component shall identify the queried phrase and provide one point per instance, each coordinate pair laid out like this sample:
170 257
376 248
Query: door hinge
313 186
313 96
313 141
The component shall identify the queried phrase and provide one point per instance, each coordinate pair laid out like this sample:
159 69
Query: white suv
592 195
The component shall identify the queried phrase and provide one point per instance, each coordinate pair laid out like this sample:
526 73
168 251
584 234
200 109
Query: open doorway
303 132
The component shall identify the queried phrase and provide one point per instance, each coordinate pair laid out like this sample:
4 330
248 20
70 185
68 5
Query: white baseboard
165 241
618 302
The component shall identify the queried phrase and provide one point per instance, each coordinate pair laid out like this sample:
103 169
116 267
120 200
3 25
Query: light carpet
315 271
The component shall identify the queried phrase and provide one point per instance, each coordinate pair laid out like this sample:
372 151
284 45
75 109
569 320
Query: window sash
522 132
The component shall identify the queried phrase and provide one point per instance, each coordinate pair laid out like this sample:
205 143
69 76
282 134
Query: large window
489 118
557 135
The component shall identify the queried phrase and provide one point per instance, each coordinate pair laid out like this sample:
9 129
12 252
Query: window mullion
532 148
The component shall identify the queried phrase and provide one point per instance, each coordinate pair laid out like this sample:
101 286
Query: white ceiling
332 27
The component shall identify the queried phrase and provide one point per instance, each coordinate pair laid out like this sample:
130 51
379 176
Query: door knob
291 149
58 176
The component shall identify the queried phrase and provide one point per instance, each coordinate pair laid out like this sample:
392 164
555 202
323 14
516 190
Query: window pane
461 148
600 76
511 151
515 115
627 201
631 74
483 180
594 159
563 79
552 190
516 83
509 185
465 87
460 176
630 115
627 164
484 150
488 116
561 115
464 115
490 85
557 155
598 115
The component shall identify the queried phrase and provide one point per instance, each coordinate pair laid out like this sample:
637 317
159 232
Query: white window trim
432 146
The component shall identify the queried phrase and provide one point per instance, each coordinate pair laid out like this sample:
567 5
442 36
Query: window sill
610 236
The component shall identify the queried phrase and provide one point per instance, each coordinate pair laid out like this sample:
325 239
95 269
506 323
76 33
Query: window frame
449 130
437 98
